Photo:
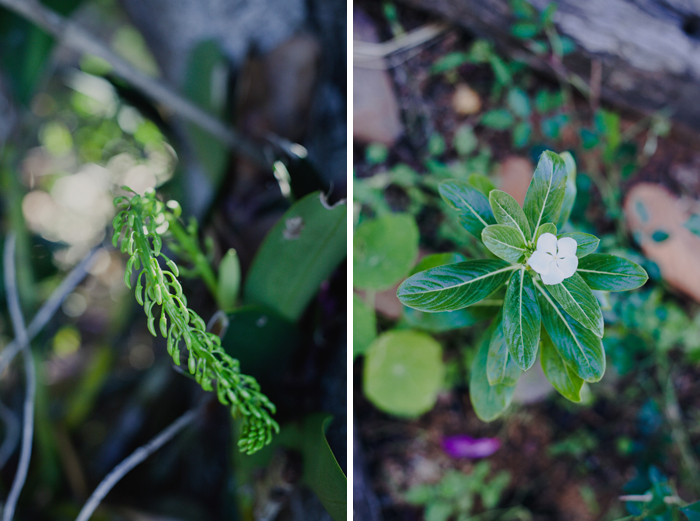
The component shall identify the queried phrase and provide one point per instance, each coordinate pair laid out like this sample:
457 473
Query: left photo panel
173 227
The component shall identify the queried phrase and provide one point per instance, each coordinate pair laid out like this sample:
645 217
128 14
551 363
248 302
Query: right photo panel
526 328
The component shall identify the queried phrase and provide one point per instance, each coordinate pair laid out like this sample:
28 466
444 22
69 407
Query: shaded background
71 131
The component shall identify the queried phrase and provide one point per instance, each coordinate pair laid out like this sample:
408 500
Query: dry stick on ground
134 459
75 37
30 375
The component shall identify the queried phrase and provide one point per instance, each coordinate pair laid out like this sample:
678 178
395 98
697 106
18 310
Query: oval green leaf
500 365
473 206
578 300
578 346
611 273
505 242
560 375
489 401
403 372
570 191
449 320
585 242
542 229
454 286
229 282
506 210
384 250
522 319
545 194
297 255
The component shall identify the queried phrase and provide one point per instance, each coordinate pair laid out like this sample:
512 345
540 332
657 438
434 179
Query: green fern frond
139 223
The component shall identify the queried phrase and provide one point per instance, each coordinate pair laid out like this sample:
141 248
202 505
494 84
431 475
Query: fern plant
549 307
140 223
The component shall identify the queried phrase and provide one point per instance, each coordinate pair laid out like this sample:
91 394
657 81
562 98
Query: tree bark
648 49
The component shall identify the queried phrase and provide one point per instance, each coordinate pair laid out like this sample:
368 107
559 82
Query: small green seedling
549 278
454 497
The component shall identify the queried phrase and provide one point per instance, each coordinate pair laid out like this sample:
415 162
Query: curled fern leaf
139 224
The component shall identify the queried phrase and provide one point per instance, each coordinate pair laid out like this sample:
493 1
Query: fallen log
647 52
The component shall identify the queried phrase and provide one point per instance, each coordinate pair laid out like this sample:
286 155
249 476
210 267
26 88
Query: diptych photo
303 260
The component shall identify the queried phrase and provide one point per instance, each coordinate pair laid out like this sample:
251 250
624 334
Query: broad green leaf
262 341
473 206
611 273
481 183
504 241
449 320
229 282
570 191
585 242
454 286
446 320
364 326
542 229
578 300
384 251
321 471
545 194
560 375
692 511
500 365
506 210
521 319
579 347
299 252
489 401
437 259
403 372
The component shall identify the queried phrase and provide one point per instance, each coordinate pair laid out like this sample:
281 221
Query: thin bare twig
23 340
134 459
49 308
74 36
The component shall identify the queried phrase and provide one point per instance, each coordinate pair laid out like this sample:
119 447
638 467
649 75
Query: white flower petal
567 265
547 243
540 261
553 276
566 246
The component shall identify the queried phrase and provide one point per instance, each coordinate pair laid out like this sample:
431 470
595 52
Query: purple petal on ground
463 446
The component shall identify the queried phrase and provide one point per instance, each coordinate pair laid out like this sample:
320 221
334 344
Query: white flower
555 260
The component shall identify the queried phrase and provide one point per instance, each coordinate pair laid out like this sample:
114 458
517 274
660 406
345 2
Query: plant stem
132 460
679 433
30 374
49 308
195 252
